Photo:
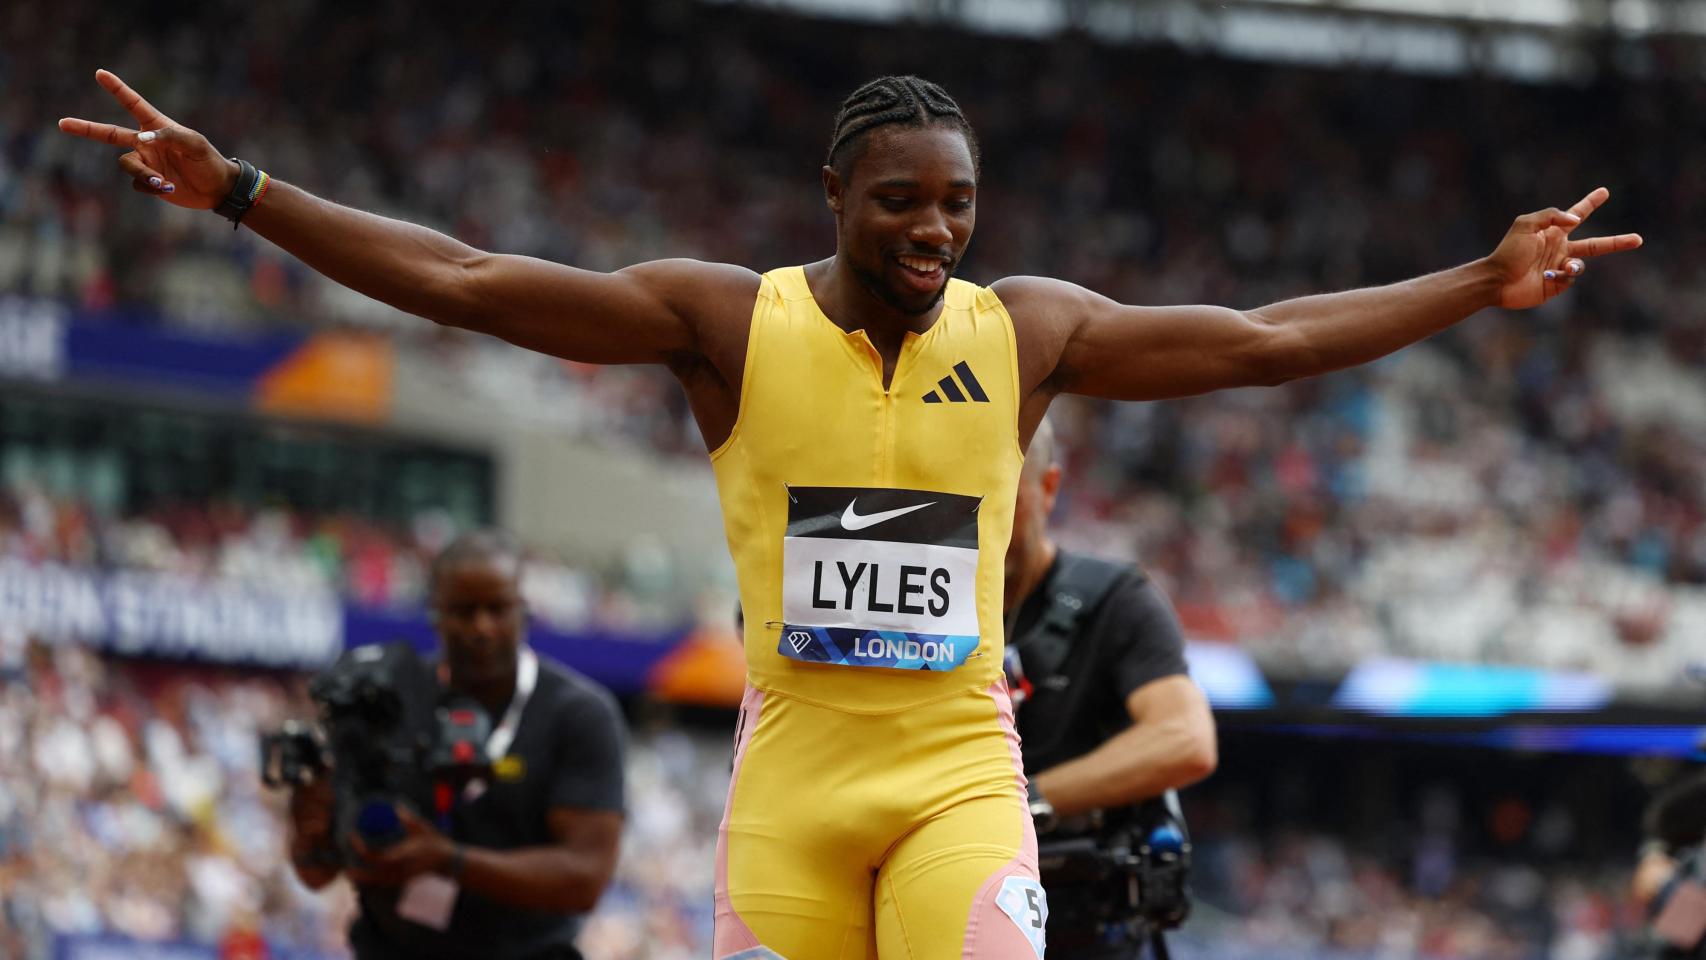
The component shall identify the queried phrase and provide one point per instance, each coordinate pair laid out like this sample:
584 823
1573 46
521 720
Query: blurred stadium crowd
1521 489
363 560
1543 474
131 806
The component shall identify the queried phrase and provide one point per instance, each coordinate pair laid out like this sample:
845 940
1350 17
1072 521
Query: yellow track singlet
868 527
876 807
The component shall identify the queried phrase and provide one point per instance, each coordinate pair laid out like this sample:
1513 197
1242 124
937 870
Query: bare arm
1655 869
646 313
1170 744
569 875
1077 341
641 314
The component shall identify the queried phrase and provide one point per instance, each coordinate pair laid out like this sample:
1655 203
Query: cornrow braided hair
908 101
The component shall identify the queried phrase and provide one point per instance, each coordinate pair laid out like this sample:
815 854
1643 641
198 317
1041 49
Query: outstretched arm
1082 342
645 313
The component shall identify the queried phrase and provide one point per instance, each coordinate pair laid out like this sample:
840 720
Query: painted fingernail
1575 266
168 188
146 136
1550 274
1572 218
154 182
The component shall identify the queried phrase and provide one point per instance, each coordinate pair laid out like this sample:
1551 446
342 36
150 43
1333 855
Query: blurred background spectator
1519 490
1544 472
131 807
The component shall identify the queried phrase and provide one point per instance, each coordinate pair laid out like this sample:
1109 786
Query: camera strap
526 678
498 743
1078 586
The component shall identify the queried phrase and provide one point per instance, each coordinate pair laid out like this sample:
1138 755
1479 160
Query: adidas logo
947 387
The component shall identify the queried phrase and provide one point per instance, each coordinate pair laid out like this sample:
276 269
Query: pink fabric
990 933
730 933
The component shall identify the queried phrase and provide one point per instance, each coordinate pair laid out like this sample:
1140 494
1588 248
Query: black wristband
238 202
1043 817
458 860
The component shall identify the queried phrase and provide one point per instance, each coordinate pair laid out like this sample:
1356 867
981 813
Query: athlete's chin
920 309
914 302
902 296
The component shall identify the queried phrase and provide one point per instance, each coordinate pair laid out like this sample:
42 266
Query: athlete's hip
833 770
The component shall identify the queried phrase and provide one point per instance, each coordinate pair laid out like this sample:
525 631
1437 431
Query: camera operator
1106 712
1670 878
508 865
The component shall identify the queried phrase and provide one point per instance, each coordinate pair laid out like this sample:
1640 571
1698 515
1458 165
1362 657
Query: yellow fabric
837 851
814 413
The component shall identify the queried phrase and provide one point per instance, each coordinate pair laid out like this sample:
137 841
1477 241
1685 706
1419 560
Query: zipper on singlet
885 439
885 401
908 347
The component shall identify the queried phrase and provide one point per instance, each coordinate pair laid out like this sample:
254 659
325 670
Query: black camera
385 739
1122 877
292 754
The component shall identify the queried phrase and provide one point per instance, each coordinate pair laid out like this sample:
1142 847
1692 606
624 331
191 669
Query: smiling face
904 212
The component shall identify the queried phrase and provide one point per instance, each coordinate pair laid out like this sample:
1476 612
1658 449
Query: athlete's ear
832 189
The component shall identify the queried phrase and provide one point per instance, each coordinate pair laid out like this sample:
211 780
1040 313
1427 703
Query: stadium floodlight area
1531 40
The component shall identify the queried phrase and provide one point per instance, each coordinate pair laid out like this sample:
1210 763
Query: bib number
879 578
1025 903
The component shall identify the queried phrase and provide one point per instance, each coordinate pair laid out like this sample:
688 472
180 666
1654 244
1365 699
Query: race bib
1026 904
879 578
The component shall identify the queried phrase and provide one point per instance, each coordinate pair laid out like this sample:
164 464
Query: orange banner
339 376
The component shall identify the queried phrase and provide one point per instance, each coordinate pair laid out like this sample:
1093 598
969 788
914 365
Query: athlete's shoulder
781 284
696 279
714 299
1038 297
1044 312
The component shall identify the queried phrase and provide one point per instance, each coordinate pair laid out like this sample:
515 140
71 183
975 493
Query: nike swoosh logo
853 521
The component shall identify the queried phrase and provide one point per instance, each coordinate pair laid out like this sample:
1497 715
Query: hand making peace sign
1537 258
171 162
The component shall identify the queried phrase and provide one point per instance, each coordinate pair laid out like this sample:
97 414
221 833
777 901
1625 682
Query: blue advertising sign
1407 688
136 613
139 613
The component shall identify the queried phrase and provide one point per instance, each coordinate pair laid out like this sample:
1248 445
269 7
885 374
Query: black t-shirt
569 741
1677 816
1129 639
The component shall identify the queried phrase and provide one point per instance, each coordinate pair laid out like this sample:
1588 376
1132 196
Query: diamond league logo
799 640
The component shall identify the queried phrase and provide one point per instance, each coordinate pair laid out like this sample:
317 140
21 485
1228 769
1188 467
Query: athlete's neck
1026 575
850 305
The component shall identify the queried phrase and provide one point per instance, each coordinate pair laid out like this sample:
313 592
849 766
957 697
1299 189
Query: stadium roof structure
1535 40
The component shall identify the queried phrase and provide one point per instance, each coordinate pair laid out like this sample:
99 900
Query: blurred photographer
1670 878
1110 723
505 864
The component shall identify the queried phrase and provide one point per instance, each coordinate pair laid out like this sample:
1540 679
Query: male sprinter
866 417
